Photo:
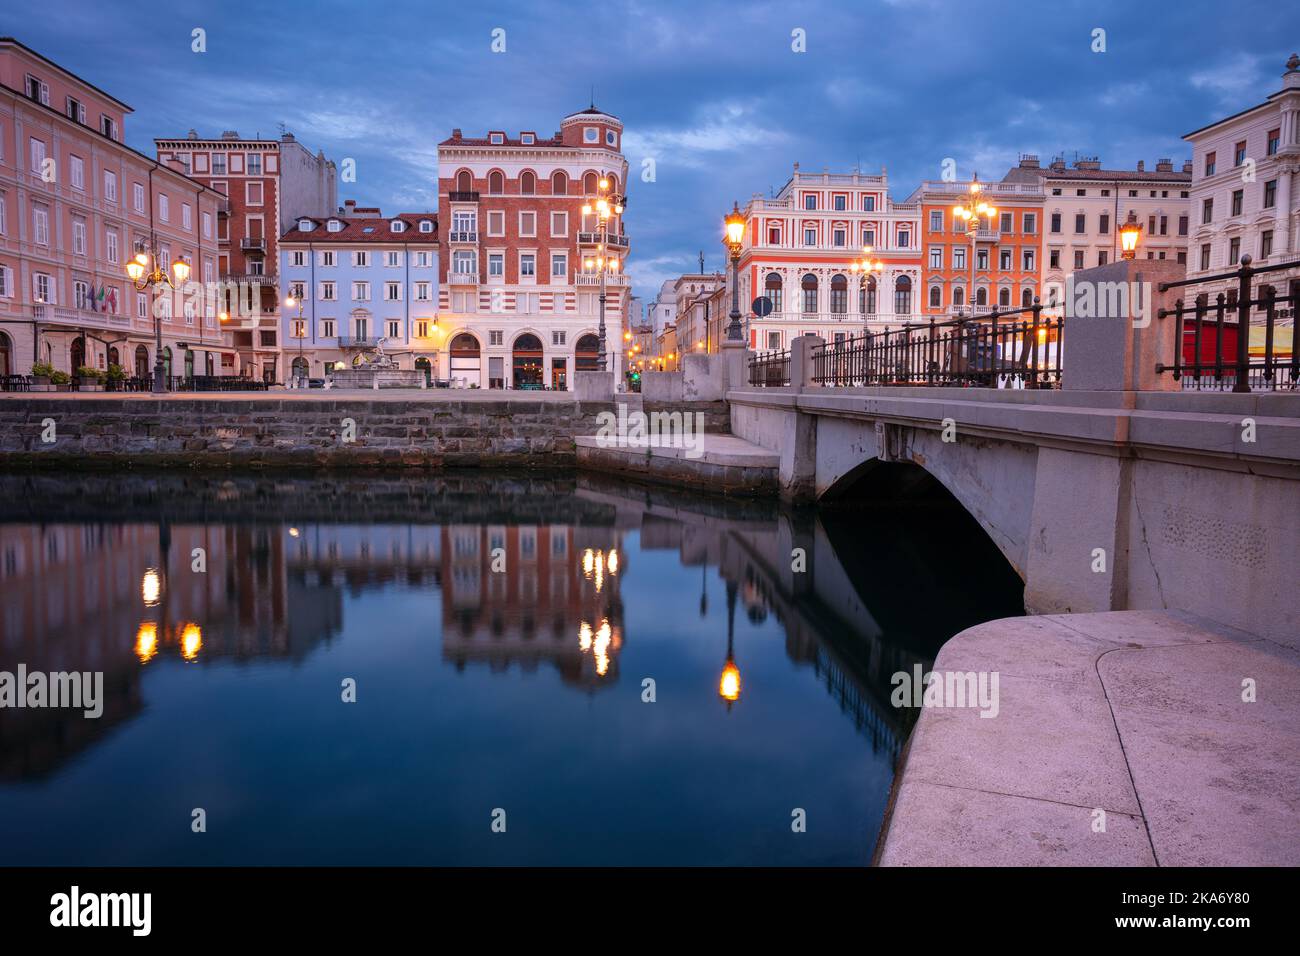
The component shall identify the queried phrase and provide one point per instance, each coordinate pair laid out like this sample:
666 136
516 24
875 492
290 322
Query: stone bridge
1114 492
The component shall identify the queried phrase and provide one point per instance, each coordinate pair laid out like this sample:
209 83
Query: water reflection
276 587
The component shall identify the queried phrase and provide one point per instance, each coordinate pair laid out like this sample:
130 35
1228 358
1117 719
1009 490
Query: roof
455 140
67 72
355 229
1019 174
591 111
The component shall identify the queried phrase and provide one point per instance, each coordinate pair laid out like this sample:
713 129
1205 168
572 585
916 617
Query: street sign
762 307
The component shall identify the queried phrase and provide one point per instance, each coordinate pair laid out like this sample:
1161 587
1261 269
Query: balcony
615 280
253 244
223 207
462 278
609 239
358 341
248 278
462 197
988 234
464 238
78 317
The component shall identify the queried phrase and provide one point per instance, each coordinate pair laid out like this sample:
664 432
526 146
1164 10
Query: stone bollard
1113 339
801 360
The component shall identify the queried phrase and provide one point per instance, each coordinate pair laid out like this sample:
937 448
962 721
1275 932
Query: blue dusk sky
712 91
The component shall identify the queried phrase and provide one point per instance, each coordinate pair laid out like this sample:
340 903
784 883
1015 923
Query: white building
1243 199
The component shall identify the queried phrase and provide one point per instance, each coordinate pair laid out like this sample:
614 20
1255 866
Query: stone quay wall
287 433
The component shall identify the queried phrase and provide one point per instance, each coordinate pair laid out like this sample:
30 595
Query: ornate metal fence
770 370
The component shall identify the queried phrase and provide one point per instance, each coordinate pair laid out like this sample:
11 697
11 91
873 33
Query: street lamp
1129 233
971 210
734 234
145 272
299 330
867 266
607 204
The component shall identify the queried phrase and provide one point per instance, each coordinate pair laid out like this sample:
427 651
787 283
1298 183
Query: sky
715 93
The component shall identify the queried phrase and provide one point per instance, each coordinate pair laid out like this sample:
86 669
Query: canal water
606 672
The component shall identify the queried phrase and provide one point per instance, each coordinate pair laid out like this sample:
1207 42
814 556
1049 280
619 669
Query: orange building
999 269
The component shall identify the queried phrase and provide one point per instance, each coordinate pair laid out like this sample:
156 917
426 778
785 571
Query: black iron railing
1016 348
770 370
1213 333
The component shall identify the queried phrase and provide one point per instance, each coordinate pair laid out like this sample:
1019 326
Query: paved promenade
1136 713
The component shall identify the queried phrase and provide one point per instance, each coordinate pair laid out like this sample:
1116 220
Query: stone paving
1139 714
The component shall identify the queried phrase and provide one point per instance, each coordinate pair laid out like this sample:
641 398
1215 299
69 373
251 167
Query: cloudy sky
712 91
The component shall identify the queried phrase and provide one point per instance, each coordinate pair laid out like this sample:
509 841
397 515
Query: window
982 260
77 172
327 258
422 292
334 225
1005 224
496 265
559 224
1004 260
496 183
327 328
361 258
839 295
110 245
37 90
38 156
463 263
253 194
1234 250
1239 154
936 297
107 126
361 291
936 257
528 223
1270 194
392 292
6 282
141 305
1031 224
1078 259
869 204
1054 259
527 183
1205 256
1209 163
810 201
1103 223
868 237
40 225
81 294
559 265
422 259
936 221
903 296
78 236
527 265
1266 243
590 134
839 237
164 207
1207 211
1273 141
959 257
327 292
1080 223
426 225
1237 196
809 288
254 164
774 236
219 164
394 328
557 338
187 216
1103 257
43 287
1027 260
496 222
1056 222
110 186
839 203
810 237
904 239
393 259
496 337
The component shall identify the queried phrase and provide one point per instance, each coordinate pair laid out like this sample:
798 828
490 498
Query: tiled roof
365 229
505 141
1017 174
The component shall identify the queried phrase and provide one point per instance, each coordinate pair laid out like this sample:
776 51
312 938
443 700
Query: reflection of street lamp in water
729 682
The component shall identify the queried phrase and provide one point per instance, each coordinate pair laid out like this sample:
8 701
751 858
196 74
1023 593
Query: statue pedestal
374 378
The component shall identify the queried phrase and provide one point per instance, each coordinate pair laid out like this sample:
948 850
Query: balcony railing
609 239
463 196
253 244
249 278
462 236
456 277
358 341
612 280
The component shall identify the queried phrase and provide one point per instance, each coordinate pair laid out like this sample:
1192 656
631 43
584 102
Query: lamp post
606 205
971 209
734 234
1129 233
145 273
299 330
867 267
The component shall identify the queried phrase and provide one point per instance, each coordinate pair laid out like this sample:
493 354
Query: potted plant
42 372
60 381
90 379
115 377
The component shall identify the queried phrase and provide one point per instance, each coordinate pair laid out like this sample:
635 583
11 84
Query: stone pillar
1283 217
801 364
1113 338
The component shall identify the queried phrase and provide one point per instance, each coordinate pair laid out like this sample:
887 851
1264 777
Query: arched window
464 181
527 361
867 297
959 296
589 183
981 296
1004 298
114 356
586 354
809 286
141 362
1026 298
496 183
527 183
839 294
772 289
903 296
78 354
613 183
559 183
6 355
936 297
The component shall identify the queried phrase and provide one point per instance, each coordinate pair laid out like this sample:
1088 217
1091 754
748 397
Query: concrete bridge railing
1117 491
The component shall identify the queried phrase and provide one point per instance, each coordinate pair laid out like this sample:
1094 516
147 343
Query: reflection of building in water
511 594
97 597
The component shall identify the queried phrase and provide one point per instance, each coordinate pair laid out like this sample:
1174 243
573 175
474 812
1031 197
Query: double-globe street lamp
299 330
733 236
145 272
971 210
607 204
865 268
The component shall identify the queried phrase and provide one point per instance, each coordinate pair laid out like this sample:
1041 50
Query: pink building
75 204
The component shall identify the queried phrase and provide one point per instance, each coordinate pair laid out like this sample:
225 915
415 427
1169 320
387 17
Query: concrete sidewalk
1135 713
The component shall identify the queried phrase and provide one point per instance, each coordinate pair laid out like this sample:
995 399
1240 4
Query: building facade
75 205
798 251
265 185
361 282
1084 205
519 293
996 268
1243 195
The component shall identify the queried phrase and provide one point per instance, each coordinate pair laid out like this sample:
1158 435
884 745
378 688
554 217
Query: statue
380 359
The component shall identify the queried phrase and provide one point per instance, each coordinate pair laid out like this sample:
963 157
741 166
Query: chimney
1142 166
349 208
455 134
1088 163
1187 166
229 134
1164 165
192 134
1029 161
287 138
1058 164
